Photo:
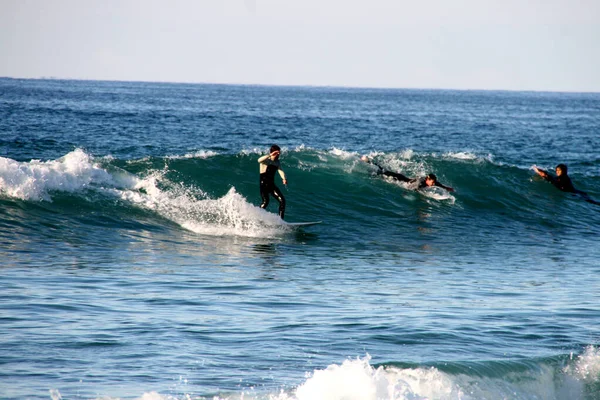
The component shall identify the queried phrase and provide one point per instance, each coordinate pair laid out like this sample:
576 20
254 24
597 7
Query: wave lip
189 207
358 379
35 180
228 215
203 154
542 380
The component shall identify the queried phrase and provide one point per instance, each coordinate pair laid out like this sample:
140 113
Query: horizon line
316 86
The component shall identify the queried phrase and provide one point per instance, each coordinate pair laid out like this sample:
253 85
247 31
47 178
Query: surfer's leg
395 175
264 194
586 197
279 197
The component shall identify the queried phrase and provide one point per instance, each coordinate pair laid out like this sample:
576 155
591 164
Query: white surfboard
302 224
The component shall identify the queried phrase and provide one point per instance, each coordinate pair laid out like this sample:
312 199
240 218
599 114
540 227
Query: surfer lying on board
413 183
562 181
270 164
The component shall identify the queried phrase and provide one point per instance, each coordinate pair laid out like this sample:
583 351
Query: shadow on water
267 250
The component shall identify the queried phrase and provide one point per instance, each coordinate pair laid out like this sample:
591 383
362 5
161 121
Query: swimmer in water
562 181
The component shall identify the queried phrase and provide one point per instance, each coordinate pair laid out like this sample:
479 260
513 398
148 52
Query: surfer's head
275 149
561 169
430 180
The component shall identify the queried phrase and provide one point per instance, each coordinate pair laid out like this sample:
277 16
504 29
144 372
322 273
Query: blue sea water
135 262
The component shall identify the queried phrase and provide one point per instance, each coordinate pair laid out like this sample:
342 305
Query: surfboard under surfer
269 165
413 183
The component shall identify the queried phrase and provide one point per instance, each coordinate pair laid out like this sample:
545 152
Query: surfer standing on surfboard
413 183
270 164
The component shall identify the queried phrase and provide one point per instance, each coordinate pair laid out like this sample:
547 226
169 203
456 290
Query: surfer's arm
547 176
263 159
369 161
448 188
541 173
282 174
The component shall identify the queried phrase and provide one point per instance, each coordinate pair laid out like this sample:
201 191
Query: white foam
343 154
403 162
203 154
357 379
153 396
145 396
407 154
461 155
189 207
374 154
231 214
255 150
284 149
303 147
34 180
261 150
55 394
586 366
195 211
468 156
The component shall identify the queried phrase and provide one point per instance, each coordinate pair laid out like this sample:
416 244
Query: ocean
135 262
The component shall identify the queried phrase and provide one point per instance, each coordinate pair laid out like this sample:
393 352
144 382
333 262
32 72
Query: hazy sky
462 44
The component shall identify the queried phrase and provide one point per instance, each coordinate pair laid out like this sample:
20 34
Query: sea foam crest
357 379
260 150
203 154
467 156
34 180
586 366
189 207
192 209
343 154
461 155
230 214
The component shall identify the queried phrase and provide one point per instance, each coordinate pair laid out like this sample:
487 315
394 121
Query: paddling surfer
413 183
269 165
562 181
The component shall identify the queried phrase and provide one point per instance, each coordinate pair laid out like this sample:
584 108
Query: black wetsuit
413 183
562 182
267 185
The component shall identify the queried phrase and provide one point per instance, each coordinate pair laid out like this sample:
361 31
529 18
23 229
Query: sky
541 45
